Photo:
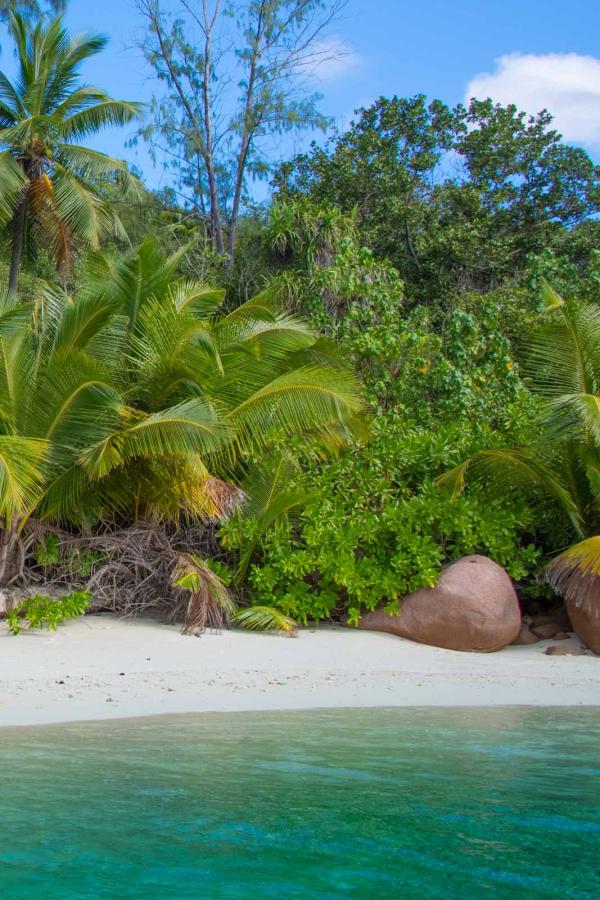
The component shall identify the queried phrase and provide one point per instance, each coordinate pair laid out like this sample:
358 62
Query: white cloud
330 59
566 84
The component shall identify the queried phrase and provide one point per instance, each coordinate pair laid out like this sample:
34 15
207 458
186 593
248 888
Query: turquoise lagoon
405 803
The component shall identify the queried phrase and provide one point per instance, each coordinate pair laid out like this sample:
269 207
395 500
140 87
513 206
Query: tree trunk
249 129
19 221
237 197
215 212
11 555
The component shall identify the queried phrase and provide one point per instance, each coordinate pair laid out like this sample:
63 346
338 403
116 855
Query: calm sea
421 803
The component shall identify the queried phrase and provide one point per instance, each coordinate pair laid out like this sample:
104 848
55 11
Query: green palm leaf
21 474
265 618
301 401
273 493
518 468
105 114
12 182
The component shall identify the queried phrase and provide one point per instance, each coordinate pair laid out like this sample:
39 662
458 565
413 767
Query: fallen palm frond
210 603
575 574
265 618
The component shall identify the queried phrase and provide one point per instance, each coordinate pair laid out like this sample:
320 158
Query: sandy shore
102 667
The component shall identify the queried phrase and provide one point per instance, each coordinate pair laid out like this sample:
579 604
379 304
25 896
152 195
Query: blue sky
535 53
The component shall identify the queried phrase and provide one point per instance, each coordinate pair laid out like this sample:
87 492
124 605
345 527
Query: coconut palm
50 185
563 459
139 401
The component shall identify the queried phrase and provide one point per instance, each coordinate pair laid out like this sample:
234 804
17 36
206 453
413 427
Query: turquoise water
386 803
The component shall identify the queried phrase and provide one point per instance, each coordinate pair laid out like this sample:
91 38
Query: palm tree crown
48 181
139 400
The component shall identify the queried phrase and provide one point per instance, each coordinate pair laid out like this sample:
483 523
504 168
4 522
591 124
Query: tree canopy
454 198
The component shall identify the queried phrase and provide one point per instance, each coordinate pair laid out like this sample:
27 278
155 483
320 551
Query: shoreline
102 667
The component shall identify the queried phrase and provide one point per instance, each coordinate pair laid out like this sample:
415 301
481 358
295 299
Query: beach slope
103 667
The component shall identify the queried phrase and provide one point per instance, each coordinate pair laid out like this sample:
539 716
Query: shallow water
419 803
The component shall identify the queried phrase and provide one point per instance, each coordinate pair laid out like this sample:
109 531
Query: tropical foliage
41 611
562 461
136 398
282 413
373 525
51 187
457 198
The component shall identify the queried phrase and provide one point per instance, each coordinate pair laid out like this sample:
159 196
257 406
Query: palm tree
563 459
50 185
138 401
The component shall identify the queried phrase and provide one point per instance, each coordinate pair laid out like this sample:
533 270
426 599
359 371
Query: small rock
548 630
121 673
564 651
109 700
561 636
525 636
60 682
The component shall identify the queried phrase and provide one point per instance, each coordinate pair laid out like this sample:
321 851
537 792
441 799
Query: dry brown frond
575 574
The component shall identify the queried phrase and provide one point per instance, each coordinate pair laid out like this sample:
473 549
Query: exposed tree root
134 571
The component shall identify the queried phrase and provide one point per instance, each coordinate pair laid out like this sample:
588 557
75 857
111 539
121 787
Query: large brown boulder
586 625
474 607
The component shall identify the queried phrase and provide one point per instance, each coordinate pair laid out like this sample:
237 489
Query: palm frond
265 618
551 299
273 493
84 320
210 603
199 299
74 403
523 470
87 163
80 208
106 114
12 183
575 574
301 401
21 474
192 428
564 353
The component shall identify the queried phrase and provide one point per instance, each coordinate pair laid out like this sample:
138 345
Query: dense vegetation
189 405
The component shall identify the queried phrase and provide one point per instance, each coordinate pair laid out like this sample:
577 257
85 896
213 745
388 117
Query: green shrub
41 611
47 552
380 527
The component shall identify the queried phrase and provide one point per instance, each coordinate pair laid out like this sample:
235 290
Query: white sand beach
103 667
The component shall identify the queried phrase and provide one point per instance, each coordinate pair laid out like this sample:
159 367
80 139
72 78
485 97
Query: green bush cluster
380 527
442 384
41 611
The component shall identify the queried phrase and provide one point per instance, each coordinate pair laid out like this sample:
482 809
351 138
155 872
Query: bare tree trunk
215 211
247 133
204 128
18 241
